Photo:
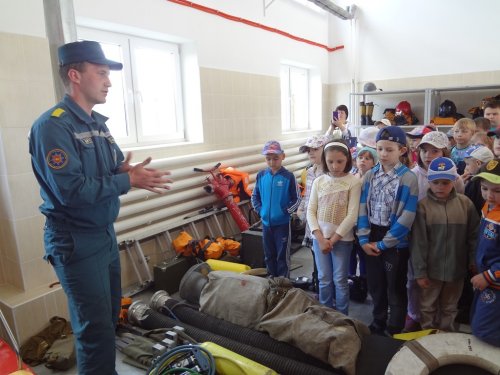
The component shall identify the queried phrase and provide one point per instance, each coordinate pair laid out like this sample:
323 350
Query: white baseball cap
480 152
436 139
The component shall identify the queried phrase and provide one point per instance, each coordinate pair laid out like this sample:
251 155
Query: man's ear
74 75
403 150
283 156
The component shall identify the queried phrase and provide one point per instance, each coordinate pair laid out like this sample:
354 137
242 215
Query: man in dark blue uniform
82 172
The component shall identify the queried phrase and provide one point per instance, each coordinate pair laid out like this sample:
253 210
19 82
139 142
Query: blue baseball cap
392 133
442 169
85 51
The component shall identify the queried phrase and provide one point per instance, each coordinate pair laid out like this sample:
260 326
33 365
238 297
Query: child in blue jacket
275 197
486 305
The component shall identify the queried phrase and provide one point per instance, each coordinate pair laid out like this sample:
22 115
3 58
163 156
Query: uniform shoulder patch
57 158
57 112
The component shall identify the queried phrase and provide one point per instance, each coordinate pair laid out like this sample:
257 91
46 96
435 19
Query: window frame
286 74
131 97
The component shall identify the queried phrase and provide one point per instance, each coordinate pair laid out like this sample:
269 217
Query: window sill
127 148
305 131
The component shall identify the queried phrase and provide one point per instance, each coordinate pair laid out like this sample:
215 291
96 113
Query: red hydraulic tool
217 184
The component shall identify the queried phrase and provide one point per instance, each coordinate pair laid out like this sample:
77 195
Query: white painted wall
223 44
393 38
23 17
403 38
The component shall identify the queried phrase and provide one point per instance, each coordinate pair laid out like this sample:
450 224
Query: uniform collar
81 114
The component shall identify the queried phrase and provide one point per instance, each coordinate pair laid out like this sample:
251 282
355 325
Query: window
294 98
144 105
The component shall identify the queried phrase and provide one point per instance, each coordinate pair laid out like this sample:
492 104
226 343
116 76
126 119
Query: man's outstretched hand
150 179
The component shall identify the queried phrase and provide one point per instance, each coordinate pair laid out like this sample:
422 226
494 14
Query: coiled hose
142 315
187 314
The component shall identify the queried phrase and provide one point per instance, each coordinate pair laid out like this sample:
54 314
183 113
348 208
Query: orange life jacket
239 183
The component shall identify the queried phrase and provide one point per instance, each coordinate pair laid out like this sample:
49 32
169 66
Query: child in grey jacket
443 236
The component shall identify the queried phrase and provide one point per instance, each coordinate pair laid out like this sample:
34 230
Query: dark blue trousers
485 321
386 275
88 266
277 249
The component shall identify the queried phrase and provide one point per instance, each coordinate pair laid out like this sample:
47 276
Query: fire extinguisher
217 184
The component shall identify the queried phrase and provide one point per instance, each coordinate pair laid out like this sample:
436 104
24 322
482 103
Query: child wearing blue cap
444 233
386 212
275 197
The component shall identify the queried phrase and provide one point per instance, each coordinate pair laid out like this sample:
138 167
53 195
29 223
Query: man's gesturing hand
148 178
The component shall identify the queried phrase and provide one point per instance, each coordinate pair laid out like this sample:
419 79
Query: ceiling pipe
252 23
345 14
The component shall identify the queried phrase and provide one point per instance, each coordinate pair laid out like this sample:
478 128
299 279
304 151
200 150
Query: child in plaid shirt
386 212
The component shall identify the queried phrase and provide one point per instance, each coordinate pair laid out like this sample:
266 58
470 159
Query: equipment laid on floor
54 346
228 362
252 249
168 275
145 317
10 359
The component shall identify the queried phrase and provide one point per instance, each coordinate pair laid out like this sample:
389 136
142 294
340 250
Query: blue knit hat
372 151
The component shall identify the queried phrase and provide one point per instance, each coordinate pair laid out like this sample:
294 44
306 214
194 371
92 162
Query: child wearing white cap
446 228
475 158
433 145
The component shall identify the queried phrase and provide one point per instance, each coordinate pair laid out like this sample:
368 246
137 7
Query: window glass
294 98
144 105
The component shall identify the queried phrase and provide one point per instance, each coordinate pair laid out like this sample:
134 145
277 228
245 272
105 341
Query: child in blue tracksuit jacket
486 305
275 197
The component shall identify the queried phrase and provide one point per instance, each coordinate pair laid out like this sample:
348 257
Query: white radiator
144 214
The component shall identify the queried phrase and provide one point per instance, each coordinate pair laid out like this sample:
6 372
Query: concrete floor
302 265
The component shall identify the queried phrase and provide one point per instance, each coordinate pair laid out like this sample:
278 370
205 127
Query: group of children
420 236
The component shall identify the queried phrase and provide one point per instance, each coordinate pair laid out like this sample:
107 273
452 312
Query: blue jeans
277 249
333 269
88 266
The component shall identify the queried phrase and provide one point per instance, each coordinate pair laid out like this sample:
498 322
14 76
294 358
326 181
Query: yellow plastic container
220 265
231 363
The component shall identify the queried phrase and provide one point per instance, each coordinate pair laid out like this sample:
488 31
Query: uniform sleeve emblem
57 158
